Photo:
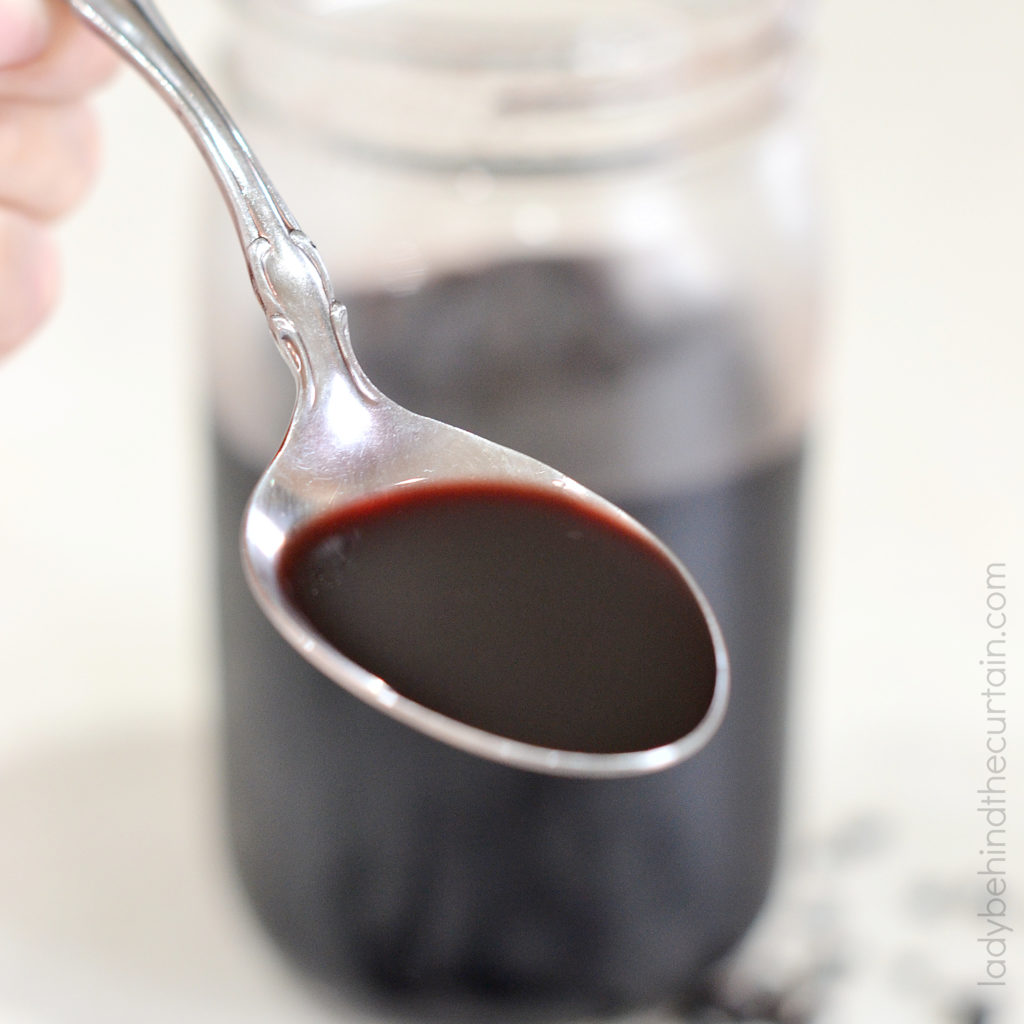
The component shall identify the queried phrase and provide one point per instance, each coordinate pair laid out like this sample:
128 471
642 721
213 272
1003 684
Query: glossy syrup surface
513 610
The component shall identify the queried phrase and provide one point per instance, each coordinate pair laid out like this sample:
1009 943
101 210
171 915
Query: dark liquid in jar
390 864
512 610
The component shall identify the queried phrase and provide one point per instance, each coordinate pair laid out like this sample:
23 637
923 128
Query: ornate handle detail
307 322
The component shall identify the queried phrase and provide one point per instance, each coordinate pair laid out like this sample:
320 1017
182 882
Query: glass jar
581 228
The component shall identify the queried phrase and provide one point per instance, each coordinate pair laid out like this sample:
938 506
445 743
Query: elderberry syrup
379 857
510 609
583 232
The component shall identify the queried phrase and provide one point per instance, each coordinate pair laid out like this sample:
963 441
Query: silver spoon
347 441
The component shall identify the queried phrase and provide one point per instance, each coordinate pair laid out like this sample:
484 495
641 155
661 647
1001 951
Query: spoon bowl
349 448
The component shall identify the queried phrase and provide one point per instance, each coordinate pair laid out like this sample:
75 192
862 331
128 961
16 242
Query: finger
72 61
48 156
24 27
28 277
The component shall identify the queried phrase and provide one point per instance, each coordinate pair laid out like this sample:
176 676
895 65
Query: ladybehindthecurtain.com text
992 806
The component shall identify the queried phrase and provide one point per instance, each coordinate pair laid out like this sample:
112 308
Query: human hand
49 63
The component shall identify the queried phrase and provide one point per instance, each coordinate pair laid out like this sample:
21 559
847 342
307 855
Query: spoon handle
136 28
287 272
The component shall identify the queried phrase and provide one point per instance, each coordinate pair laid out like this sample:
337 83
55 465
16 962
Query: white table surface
115 905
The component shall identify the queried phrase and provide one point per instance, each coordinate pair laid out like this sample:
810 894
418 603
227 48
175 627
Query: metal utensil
346 440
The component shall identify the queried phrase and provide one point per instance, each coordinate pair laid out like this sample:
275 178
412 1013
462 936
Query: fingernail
23 30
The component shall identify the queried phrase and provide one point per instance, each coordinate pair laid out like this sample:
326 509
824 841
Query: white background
114 903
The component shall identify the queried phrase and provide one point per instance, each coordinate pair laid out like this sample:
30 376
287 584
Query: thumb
23 31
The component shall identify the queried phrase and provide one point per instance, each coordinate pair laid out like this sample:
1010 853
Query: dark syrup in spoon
512 610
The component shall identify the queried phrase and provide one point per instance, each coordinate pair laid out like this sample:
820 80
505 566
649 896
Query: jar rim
438 84
708 37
